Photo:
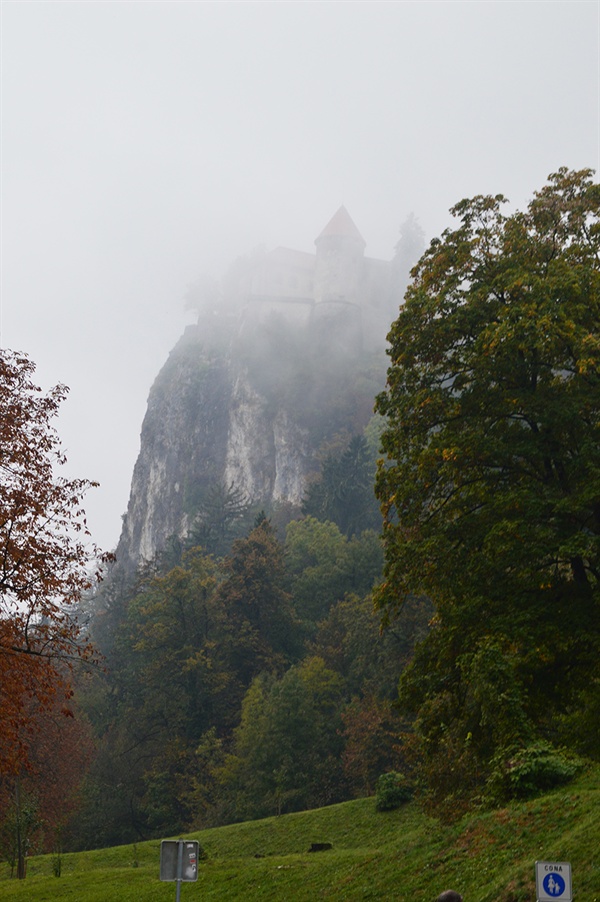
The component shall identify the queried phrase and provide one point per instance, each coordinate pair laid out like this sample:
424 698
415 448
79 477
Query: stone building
336 290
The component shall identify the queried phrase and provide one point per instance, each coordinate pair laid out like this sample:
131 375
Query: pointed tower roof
341 226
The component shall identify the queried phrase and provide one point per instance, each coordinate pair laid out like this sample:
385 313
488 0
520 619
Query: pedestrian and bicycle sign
553 881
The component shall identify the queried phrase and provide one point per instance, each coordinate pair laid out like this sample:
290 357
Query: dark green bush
391 791
525 772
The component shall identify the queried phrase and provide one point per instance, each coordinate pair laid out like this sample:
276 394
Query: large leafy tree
45 559
262 628
167 683
288 745
323 566
491 491
193 640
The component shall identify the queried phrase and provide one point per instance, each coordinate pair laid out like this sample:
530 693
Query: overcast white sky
144 143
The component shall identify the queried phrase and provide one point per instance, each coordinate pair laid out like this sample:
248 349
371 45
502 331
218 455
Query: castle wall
285 273
287 284
294 311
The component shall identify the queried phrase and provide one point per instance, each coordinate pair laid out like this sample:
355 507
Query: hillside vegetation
399 855
441 632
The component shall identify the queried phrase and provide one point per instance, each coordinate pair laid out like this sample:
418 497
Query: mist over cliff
283 364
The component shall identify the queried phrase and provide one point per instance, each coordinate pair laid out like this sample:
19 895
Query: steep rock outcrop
285 361
208 425
182 449
268 455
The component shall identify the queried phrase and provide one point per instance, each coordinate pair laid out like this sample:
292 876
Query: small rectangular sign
179 859
553 881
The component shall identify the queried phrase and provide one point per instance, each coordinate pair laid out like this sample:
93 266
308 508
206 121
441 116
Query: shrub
523 773
392 790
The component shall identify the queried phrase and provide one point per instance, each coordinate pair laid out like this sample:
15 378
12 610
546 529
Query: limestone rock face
206 425
268 455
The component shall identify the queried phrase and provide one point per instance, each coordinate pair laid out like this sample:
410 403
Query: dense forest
242 686
240 673
432 611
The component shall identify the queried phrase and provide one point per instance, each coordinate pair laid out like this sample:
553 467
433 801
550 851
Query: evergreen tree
343 493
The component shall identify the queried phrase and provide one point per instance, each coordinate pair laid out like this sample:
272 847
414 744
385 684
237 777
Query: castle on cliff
336 292
228 407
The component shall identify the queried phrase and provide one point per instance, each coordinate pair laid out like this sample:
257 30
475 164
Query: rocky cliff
251 417
285 362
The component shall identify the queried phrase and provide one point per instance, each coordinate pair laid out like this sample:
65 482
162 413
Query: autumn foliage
45 562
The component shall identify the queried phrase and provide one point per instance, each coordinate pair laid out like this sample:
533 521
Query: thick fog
147 143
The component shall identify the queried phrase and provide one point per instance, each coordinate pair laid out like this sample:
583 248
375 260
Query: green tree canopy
324 566
491 493
370 660
261 626
287 753
167 684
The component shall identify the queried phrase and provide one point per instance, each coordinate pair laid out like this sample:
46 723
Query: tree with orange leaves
46 561
37 803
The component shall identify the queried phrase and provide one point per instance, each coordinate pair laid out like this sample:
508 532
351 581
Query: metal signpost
553 881
179 861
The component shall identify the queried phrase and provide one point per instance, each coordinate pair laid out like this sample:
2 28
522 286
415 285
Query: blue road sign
553 881
554 885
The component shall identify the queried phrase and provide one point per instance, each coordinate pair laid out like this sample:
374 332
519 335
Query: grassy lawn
397 855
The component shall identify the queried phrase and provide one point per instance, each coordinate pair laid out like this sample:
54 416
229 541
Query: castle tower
339 266
339 286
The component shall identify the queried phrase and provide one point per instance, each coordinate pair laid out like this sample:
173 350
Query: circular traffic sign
554 885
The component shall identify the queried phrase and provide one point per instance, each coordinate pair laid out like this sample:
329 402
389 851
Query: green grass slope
397 855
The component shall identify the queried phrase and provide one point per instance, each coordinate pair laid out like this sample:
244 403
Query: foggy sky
146 143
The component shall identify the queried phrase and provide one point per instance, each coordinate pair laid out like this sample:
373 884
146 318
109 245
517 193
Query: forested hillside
244 686
235 664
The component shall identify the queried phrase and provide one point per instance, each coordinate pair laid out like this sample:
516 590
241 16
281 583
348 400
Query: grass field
397 855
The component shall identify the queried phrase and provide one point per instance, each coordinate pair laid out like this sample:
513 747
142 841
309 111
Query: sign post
553 881
179 861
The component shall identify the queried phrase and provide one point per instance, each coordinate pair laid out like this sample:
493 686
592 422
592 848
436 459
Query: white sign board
553 881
